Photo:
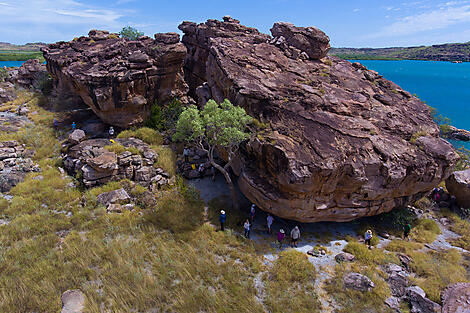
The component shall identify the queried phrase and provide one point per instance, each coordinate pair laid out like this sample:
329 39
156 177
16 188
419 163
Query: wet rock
344 257
458 185
118 196
338 146
456 298
73 301
117 78
358 281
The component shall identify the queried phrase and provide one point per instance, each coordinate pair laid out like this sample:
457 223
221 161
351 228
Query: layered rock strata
342 141
15 163
118 78
94 164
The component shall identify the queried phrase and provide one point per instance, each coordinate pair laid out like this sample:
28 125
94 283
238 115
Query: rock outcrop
456 134
358 282
456 298
119 79
419 303
342 141
32 74
15 163
458 185
94 162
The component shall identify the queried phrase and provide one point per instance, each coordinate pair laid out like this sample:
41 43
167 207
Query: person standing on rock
368 237
247 226
280 237
111 132
269 220
222 218
252 213
406 231
295 236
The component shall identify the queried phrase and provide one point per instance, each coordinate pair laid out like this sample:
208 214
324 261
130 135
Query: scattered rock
419 303
119 79
344 257
73 301
358 281
118 196
458 185
114 208
404 259
398 283
456 298
337 146
393 303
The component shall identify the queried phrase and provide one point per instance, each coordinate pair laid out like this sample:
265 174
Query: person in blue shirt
222 218
56 124
74 126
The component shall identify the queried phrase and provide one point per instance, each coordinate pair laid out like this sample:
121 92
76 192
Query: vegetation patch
146 134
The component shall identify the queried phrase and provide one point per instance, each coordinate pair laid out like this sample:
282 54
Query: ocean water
10 63
443 85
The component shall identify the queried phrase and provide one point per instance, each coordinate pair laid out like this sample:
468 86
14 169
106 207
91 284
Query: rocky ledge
94 163
15 163
119 79
341 142
454 133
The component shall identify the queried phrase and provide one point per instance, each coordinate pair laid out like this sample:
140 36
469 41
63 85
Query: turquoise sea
443 85
10 63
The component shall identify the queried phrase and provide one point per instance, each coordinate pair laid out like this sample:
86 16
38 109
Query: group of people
248 225
111 131
201 168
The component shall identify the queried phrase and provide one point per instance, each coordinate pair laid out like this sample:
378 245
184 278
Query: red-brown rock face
343 142
118 78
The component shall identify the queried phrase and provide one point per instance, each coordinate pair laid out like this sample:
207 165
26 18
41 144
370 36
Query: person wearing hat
280 237
222 218
295 236
368 237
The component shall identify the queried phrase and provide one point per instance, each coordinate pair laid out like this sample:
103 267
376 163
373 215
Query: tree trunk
230 184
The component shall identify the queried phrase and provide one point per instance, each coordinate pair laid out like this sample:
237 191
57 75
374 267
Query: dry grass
166 159
146 134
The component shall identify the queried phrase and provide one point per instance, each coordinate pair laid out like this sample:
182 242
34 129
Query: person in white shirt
295 236
270 220
247 226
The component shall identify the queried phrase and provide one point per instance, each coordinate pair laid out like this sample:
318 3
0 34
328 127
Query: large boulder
458 185
456 298
419 303
340 142
119 79
32 74
358 281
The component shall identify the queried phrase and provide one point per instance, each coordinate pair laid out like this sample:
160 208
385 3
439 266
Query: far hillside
11 52
445 52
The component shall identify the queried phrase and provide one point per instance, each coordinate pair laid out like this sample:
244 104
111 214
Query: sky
358 23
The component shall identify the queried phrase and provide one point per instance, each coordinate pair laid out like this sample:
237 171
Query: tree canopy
130 32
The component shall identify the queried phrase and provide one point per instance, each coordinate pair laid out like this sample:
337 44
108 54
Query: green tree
130 32
214 127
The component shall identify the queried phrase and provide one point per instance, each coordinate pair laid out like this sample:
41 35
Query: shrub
146 134
163 118
369 256
130 32
166 159
425 231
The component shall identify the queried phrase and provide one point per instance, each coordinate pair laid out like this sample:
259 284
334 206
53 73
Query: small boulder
118 196
458 185
358 281
114 208
398 283
393 303
456 298
77 136
419 303
344 257
73 301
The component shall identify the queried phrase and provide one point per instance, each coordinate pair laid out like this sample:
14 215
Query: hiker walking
280 237
295 236
222 218
406 231
368 237
186 154
200 170
74 125
269 220
111 132
247 226
56 124
252 213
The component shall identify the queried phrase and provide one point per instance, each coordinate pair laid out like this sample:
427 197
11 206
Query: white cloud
356 10
441 18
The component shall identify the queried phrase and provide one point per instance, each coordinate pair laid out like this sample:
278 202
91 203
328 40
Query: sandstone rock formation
419 303
456 298
342 141
31 74
456 134
15 163
458 185
118 78
95 165
358 281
